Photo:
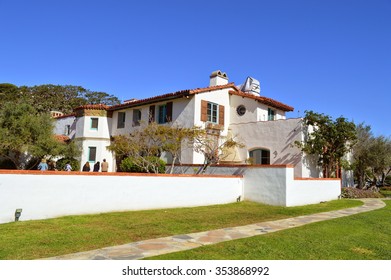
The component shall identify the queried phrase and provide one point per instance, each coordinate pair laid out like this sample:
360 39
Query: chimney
218 78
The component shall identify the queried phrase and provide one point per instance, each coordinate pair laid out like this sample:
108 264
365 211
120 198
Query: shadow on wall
294 157
311 162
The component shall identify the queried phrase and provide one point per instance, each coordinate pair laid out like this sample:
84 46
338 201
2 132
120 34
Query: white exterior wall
277 186
83 127
266 185
262 113
99 138
220 97
302 192
276 136
49 196
101 153
61 123
251 109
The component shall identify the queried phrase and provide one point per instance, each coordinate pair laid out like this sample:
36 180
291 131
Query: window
94 123
165 113
162 114
271 114
241 110
136 117
67 130
121 120
260 156
212 112
92 154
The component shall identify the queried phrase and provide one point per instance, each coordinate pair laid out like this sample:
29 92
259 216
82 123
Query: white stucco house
258 122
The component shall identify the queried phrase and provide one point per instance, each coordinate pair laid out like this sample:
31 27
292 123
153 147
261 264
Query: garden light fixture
18 212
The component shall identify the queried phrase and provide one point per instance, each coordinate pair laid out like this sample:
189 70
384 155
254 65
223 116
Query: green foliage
46 98
130 164
75 164
328 139
25 134
148 142
372 157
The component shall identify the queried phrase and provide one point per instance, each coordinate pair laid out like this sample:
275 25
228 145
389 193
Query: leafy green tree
46 98
8 93
380 152
25 134
372 157
330 140
147 143
213 147
361 156
98 97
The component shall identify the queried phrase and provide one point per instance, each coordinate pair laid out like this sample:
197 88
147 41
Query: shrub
359 193
60 164
129 164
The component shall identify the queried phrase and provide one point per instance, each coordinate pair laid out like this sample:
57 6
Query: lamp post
18 212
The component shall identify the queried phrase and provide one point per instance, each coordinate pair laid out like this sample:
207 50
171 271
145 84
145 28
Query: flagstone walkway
158 246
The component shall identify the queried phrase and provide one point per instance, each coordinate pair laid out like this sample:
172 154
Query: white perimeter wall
277 186
43 196
48 196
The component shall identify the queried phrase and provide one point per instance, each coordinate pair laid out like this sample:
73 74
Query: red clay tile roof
93 107
183 93
61 138
65 116
264 100
173 95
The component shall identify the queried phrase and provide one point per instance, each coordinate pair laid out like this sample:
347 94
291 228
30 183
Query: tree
46 98
328 139
372 157
8 93
212 146
25 134
380 152
150 141
98 97
361 156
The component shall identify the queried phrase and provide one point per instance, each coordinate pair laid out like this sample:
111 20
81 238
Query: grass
52 237
386 193
364 236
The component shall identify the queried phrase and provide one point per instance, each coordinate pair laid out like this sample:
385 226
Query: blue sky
332 57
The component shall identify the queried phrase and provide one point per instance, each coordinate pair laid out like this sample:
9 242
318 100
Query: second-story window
213 112
67 130
121 120
136 117
271 114
165 113
162 113
94 123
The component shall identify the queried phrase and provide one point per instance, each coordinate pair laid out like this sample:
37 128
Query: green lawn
365 236
52 237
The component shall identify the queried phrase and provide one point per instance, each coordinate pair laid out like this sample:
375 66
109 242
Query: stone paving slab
159 246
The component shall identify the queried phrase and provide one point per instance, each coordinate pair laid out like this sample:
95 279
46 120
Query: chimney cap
219 74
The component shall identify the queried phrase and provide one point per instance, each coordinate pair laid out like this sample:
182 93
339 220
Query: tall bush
131 164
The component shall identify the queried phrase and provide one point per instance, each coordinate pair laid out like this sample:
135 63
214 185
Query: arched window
260 156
